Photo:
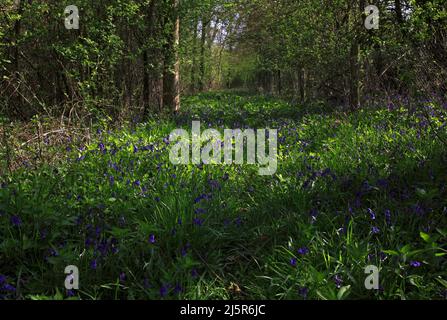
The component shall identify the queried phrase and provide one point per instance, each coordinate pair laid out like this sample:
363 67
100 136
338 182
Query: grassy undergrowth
351 190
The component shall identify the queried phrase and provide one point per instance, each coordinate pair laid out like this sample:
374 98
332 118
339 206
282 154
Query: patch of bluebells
7 290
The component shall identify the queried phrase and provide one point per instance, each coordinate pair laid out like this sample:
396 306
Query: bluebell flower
293 262
122 277
16 221
388 217
152 239
303 292
8 287
338 281
371 214
198 221
375 230
94 264
415 264
303 251
178 288
163 291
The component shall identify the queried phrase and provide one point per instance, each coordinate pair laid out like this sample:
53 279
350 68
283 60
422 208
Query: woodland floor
351 190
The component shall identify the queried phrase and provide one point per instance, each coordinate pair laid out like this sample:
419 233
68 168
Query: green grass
333 170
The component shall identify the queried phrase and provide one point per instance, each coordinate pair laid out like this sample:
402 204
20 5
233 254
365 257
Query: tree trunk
354 57
171 74
194 58
398 8
146 76
202 55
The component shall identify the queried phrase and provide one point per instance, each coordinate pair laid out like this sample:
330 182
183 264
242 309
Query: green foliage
119 206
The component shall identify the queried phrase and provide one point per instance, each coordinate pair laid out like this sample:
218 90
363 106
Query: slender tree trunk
279 81
398 8
146 76
202 55
18 101
354 59
171 74
301 84
194 58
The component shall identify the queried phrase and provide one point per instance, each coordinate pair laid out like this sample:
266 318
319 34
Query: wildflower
8 287
163 291
293 262
16 221
338 281
152 239
94 264
199 211
415 264
122 277
371 214
238 221
303 251
198 221
303 291
178 288
89 242
375 230
388 217
52 253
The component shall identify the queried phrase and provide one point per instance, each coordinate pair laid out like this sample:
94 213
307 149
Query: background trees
136 57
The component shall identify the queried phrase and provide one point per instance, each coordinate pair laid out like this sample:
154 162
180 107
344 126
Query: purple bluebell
303 291
16 221
388 217
163 291
194 273
178 288
338 281
372 214
415 264
375 230
94 264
